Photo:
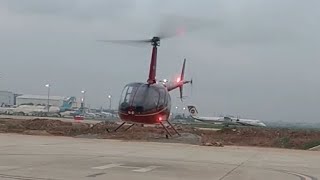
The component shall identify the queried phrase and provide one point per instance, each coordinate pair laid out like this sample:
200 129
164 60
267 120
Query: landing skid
164 127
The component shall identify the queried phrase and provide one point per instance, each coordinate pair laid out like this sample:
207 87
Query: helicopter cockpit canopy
143 98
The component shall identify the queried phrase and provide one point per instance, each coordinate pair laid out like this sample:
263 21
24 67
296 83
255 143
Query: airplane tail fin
193 110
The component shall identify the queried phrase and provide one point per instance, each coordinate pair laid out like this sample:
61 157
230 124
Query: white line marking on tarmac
146 169
136 169
8 167
300 175
129 167
107 166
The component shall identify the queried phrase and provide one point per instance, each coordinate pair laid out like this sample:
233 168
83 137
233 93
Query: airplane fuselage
229 121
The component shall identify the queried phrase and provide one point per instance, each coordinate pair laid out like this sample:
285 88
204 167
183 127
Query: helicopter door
163 99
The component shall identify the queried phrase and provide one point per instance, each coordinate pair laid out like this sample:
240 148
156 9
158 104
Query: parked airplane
226 120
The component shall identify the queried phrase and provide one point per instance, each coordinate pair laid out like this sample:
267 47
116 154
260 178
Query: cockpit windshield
147 98
142 98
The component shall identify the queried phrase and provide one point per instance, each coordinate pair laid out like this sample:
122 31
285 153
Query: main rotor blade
171 26
126 41
174 25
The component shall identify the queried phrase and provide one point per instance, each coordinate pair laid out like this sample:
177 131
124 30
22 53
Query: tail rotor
181 79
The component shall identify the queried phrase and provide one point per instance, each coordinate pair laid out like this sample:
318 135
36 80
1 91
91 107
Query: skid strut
165 129
173 128
129 127
119 126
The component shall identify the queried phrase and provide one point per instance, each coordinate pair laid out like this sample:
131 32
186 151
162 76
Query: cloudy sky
249 58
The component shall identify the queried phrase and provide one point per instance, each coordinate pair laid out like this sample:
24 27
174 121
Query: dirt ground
248 136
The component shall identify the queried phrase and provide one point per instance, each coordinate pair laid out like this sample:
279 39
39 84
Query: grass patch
311 144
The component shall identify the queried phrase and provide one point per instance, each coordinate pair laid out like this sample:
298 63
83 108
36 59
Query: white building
58 101
6 98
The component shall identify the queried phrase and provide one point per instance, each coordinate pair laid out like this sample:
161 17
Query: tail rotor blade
182 78
191 83
183 68
181 92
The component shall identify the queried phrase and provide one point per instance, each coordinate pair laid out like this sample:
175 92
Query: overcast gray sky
250 58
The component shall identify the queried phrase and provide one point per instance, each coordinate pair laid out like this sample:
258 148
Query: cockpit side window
127 96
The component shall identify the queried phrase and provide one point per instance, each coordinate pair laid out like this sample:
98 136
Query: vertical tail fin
179 82
193 110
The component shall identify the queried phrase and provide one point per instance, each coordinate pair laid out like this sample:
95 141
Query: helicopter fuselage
145 103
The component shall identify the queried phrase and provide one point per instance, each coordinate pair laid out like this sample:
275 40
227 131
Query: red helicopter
150 102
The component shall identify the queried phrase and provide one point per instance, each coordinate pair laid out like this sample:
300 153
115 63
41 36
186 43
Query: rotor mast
155 42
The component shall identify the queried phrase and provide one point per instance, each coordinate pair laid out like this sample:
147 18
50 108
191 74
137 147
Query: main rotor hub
155 41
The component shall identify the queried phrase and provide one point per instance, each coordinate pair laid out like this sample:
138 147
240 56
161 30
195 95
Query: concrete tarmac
27 157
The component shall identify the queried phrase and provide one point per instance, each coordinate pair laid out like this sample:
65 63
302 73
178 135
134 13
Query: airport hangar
8 98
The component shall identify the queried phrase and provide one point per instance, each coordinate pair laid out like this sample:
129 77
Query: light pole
48 100
83 92
110 98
